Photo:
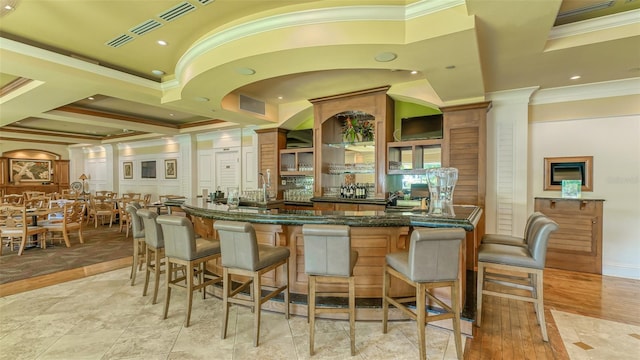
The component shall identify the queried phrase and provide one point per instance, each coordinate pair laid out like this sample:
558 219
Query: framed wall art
30 170
127 169
557 169
171 169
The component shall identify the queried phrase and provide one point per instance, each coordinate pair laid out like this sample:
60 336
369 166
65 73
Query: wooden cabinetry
296 162
270 142
577 244
327 134
412 157
59 177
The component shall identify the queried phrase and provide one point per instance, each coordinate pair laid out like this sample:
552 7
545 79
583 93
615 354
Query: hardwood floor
509 329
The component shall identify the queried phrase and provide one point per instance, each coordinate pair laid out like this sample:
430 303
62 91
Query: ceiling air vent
205 2
177 11
253 105
119 41
145 27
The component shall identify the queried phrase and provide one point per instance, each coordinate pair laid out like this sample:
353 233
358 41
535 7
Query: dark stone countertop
466 216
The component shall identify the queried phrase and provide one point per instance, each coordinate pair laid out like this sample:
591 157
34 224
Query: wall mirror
557 169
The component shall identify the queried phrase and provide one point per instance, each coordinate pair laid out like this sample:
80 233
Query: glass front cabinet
351 132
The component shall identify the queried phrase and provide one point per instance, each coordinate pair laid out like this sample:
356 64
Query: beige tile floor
587 338
103 317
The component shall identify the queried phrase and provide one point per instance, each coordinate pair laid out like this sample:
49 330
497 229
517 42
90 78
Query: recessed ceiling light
157 72
245 71
414 72
8 7
162 43
91 98
386 57
280 97
172 114
575 77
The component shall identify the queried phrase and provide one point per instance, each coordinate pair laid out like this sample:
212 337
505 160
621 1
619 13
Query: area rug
102 244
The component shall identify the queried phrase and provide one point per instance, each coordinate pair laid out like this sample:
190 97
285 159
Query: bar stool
529 260
431 262
139 244
183 249
242 255
328 257
513 240
154 240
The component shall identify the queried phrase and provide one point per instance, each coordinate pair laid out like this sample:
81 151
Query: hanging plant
356 130
349 132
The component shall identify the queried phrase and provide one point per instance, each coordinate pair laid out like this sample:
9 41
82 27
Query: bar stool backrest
136 221
179 237
327 250
537 245
153 234
238 244
434 254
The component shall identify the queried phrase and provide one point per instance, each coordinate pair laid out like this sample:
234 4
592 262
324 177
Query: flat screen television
421 127
300 139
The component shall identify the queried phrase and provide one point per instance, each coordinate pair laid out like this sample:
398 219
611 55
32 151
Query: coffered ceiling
90 72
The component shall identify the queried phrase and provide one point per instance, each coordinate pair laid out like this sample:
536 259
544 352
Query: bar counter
466 216
373 234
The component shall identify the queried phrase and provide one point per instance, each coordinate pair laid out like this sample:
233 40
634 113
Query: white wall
614 143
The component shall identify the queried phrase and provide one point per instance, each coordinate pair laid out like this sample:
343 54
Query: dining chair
14 225
518 268
73 214
432 261
183 250
13 199
242 255
124 219
100 207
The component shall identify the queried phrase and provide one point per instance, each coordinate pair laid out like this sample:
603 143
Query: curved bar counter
373 235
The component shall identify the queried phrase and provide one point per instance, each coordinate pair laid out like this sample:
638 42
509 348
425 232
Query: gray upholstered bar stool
139 245
513 240
241 255
182 248
433 261
154 239
328 257
512 260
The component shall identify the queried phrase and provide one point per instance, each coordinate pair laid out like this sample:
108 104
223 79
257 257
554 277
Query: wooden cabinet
413 157
328 139
577 244
59 178
296 162
270 142
61 174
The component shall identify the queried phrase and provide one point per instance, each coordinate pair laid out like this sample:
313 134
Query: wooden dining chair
73 213
14 225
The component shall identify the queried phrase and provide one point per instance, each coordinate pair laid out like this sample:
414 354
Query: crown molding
587 91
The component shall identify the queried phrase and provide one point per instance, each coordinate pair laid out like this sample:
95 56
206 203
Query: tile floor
587 338
103 317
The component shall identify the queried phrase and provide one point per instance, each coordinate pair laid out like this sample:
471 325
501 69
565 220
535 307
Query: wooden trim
353 93
588 171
